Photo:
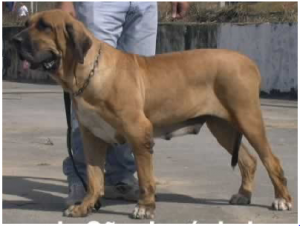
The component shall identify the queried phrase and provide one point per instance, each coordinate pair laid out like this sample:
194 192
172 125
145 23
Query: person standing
130 27
22 11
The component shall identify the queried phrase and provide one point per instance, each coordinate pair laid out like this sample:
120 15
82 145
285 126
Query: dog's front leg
140 135
95 152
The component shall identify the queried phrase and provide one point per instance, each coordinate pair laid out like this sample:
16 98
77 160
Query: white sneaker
76 194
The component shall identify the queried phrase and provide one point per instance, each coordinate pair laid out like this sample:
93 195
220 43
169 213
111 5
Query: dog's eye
43 26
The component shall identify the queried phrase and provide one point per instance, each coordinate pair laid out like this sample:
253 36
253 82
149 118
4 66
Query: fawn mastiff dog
121 97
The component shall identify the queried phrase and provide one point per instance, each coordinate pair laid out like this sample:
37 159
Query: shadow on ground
46 194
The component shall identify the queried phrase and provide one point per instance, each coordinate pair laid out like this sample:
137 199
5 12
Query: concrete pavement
195 177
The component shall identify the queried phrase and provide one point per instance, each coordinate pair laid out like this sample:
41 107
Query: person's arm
67 7
179 9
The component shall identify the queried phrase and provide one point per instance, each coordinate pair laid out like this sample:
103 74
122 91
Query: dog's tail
235 153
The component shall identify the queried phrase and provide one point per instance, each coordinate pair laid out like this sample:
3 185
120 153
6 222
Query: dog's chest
91 119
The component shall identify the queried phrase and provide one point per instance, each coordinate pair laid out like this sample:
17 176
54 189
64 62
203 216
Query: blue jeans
131 27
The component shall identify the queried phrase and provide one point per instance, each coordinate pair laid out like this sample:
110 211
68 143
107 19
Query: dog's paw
143 212
239 199
77 211
281 204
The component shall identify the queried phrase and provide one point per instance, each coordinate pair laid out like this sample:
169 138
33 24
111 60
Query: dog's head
51 40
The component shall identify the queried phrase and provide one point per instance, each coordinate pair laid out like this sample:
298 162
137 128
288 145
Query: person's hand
67 7
179 9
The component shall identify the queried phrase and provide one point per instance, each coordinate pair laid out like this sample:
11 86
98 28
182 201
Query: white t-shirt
23 11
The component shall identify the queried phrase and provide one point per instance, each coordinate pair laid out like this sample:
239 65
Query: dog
121 97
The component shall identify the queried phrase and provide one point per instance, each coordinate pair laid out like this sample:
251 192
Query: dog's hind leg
251 124
95 152
226 135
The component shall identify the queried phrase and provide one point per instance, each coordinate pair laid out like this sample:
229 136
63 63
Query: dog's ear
79 41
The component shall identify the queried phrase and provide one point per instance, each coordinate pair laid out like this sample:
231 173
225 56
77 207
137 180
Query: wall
272 46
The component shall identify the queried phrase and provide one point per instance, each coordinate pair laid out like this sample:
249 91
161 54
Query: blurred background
201 12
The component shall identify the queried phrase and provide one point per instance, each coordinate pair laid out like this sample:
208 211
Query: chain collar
91 74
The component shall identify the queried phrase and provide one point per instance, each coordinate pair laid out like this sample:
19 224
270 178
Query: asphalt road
194 173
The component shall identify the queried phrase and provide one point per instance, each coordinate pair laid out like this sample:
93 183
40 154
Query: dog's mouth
44 60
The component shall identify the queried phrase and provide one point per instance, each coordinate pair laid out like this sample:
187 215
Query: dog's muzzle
34 59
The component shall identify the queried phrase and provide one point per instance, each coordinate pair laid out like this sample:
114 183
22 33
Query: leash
67 101
69 130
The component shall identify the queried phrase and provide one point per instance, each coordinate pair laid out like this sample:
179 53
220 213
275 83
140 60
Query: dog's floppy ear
79 41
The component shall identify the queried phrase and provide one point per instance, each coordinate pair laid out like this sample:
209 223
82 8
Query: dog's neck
81 86
75 74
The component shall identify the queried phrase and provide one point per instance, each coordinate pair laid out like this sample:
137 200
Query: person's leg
139 37
105 20
76 189
140 29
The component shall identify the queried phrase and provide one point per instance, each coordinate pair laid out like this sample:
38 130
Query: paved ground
195 177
